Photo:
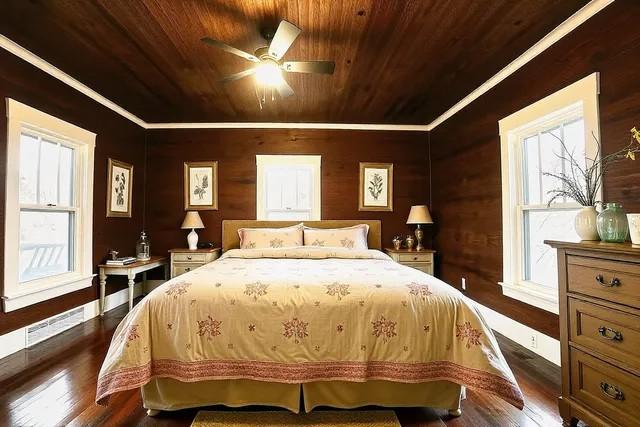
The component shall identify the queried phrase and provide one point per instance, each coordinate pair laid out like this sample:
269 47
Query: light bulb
268 74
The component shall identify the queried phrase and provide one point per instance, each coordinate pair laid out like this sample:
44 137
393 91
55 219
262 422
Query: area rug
285 418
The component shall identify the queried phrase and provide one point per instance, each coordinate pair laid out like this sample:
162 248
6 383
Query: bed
302 327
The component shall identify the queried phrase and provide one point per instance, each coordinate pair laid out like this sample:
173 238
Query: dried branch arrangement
582 181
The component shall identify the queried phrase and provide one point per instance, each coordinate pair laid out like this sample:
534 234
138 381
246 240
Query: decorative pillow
260 238
349 237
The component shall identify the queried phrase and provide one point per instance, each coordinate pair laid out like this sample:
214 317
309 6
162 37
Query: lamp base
192 239
419 236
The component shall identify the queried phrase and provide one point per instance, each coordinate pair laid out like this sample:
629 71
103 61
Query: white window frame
575 100
22 118
312 161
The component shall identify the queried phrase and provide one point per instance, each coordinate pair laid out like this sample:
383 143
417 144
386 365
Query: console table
130 270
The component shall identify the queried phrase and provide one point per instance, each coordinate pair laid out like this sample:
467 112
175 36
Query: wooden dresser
420 260
599 285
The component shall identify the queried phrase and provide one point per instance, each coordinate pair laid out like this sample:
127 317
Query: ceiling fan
269 60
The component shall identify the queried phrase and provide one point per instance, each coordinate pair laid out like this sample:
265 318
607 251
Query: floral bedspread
296 315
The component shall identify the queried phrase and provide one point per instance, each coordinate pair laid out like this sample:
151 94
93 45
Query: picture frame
201 186
376 187
119 189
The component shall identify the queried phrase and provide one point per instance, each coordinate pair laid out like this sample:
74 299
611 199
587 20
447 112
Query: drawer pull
415 258
187 269
611 391
613 282
614 336
189 258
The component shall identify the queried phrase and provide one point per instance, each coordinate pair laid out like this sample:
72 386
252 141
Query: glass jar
612 224
143 248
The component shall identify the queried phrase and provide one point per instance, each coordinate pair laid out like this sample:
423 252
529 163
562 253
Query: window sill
535 295
16 301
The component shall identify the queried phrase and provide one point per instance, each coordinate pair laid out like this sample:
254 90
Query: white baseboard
539 343
17 340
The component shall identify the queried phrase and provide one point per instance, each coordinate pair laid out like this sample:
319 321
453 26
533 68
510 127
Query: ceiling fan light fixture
268 74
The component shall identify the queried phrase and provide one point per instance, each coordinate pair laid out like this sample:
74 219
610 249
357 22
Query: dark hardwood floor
53 383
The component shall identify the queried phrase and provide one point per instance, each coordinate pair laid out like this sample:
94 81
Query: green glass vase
612 224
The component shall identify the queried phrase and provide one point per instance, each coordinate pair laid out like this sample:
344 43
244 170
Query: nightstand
184 260
420 260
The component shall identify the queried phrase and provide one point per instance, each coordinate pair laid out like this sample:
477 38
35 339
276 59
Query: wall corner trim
570 24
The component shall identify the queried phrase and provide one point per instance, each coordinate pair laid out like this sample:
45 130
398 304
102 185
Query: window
49 207
288 187
533 142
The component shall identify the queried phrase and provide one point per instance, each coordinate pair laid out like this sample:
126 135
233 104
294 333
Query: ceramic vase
612 224
585 223
634 227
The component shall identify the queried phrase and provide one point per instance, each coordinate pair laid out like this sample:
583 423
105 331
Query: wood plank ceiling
397 62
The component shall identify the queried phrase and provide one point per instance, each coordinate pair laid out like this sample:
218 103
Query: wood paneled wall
235 151
466 152
116 137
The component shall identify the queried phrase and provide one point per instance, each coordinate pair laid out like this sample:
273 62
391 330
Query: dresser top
619 248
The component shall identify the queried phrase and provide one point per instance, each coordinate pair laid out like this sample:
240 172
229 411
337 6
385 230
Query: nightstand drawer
179 269
611 332
605 388
189 257
613 281
425 267
414 257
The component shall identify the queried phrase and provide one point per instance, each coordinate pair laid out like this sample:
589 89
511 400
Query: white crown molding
570 24
556 34
267 125
53 71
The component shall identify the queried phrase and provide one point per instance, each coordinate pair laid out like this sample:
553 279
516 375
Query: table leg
166 272
103 285
131 276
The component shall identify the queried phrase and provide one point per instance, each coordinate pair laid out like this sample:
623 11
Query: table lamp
419 215
192 220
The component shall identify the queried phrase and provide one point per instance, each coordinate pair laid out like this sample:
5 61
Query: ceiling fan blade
319 67
284 89
230 49
238 76
285 35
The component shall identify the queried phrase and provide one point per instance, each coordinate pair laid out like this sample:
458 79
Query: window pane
49 160
45 245
540 263
66 176
288 215
550 149
531 171
29 152
574 141
304 188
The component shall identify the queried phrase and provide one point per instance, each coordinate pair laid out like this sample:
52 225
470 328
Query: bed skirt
166 394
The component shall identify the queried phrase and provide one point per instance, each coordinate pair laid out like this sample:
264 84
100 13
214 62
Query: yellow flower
635 134
631 155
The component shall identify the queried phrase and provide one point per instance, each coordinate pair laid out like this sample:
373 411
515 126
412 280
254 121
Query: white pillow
260 238
354 237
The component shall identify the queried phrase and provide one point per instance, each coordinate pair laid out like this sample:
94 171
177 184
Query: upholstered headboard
231 240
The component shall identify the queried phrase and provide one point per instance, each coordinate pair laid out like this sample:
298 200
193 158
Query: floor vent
54 325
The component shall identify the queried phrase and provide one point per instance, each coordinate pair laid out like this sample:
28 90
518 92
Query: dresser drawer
189 257
610 280
613 392
414 257
611 332
179 269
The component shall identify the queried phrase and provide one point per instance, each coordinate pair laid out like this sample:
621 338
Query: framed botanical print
201 186
376 187
119 188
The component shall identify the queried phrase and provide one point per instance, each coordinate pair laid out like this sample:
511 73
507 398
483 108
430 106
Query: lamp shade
192 220
419 215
